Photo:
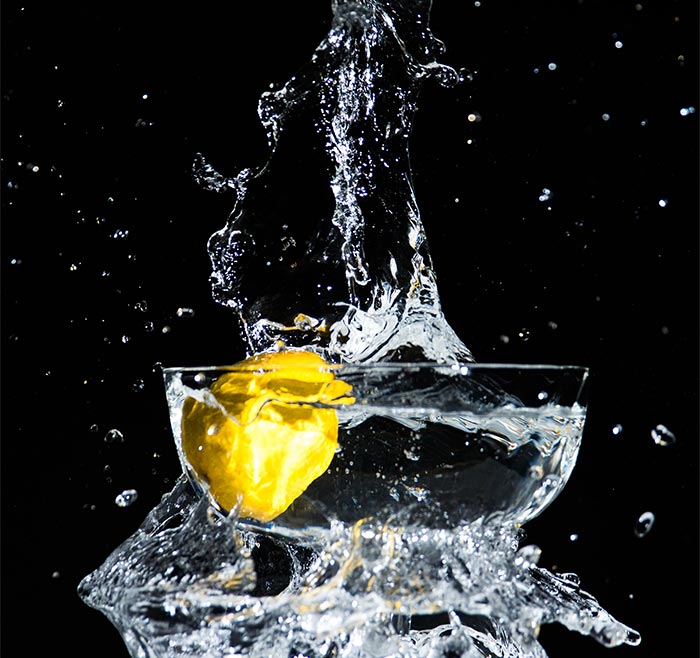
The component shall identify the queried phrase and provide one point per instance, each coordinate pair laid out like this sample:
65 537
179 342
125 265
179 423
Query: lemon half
272 434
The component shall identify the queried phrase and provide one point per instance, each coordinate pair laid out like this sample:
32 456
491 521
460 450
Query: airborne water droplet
663 436
126 498
644 524
114 436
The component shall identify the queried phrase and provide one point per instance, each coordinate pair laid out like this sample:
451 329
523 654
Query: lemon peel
272 434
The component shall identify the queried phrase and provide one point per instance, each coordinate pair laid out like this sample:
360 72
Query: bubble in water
524 335
114 436
546 194
663 203
617 430
663 436
644 524
138 385
120 234
185 312
685 111
126 498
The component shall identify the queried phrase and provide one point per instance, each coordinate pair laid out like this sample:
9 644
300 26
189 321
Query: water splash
189 582
333 257
354 280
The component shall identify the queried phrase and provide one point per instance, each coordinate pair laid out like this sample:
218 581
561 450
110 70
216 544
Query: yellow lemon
269 433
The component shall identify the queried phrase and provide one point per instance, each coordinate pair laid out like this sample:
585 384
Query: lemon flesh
270 433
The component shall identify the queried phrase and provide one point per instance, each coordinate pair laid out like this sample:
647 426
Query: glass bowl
291 451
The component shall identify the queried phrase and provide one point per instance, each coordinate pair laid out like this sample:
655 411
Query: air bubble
663 436
185 312
685 111
126 498
138 385
663 203
617 430
644 524
524 335
552 66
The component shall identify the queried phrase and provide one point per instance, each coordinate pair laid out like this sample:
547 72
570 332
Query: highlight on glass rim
358 485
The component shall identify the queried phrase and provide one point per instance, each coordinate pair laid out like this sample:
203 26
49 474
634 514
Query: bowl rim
460 367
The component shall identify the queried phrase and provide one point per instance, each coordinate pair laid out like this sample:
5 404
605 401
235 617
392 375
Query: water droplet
165 329
618 44
411 455
114 436
552 66
473 117
185 312
530 554
644 524
536 472
663 203
663 436
685 111
546 194
126 498
572 578
617 430
605 116
542 395
573 537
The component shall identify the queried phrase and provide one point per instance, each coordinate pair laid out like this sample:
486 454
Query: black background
104 109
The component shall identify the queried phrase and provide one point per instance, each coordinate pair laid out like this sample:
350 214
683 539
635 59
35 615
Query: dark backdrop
104 237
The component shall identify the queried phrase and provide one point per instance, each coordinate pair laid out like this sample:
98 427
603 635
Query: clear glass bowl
411 444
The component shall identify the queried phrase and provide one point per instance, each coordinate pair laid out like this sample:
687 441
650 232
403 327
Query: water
354 279
189 582
407 557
